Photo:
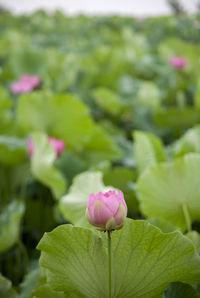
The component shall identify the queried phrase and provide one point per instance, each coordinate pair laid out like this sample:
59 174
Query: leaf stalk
109 265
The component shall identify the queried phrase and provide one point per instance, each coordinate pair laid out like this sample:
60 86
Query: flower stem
109 266
187 216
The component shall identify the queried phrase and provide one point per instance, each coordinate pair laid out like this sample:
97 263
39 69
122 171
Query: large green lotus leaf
63 116
195 237
100 147
144 261
34 111
42 165
164 226
44 291
10 220
189 142
148 150
29 61
6 290
12 150
181 290
172 190
73 205
71 120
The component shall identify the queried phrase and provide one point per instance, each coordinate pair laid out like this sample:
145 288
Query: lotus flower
178 62
58 145
107 211
25 85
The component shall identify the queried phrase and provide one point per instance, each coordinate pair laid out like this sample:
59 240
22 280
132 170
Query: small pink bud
58 145
25 85
30 146
178 62
107 211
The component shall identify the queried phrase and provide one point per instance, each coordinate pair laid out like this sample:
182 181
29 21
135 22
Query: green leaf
6 115
12 150
148 150
197 95
29 61
42 165
44 291
10 220
6 290
108 100
149 95
195 237
176 118
40 118
144 261
66 117
189 142
71 120
180 290
163 225
100 147
73 205
170 190
63 116
56 74
29 283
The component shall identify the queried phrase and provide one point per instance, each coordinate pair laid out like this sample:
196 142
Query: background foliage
131 122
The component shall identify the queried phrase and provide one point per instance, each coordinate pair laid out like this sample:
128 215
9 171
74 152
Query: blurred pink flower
30 146
25 85
58 145
178 62
107 211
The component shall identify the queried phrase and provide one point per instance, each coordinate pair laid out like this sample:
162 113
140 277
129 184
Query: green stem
187 216
109 265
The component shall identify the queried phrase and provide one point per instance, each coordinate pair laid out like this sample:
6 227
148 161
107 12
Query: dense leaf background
130 121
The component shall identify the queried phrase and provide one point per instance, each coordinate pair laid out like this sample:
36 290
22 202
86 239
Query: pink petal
15 88
121 199
99 212
30 146
26 84
58 145
35 81
112 202
178 62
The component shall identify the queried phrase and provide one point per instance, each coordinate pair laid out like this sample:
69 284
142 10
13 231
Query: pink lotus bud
30 146
178 62
107 211
58 145
15 88
25 85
